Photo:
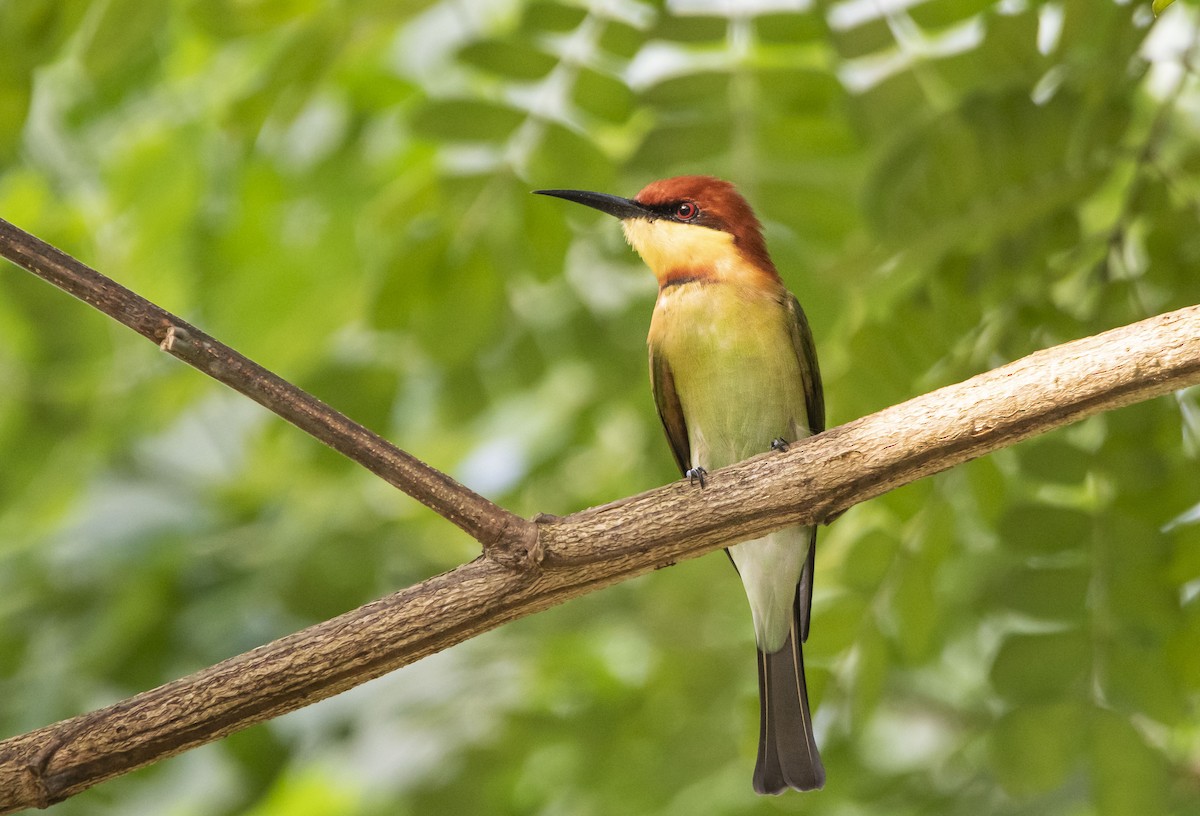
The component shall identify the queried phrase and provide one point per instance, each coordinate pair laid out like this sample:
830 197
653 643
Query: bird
733 369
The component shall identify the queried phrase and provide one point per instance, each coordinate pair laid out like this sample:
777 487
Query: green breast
735 370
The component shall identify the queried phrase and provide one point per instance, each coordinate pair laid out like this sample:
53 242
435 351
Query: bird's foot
779 444
696 474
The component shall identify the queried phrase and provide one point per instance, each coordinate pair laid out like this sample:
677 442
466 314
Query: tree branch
813 481
505 536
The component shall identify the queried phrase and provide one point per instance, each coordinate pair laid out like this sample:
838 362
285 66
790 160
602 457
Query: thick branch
489 524
813 481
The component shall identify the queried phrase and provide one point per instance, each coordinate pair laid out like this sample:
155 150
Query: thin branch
813 481
505 536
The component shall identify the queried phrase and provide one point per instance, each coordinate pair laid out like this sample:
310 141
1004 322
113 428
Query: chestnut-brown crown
718 205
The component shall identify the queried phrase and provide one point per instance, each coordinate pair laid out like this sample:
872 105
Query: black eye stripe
673 211
670 210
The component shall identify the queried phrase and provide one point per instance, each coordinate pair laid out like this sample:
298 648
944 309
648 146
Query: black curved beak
616 206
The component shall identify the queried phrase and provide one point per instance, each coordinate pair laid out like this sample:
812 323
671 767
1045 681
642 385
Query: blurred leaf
620 40
30 33
1035 747
674 144
913 617
1185 661
789 28
870 558
842 618
297 61
1051 460
1042 668
1135 593
870 678
879 107
306 794
465 120
551 16
942 13
259 753
691 28
1138 678
603 96
1040 529
800 91
517 60
328 582
1049 593
863 39
122 39
14 103
570 159
232 18
1128 775
989 489
362 392
697 90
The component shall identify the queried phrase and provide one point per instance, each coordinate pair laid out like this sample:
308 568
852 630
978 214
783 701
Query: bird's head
687 227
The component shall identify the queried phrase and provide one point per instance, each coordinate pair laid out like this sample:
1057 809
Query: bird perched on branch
734 373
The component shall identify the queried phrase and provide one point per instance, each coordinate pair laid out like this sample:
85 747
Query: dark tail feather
787 750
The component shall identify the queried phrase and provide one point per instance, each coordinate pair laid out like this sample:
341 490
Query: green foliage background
341 191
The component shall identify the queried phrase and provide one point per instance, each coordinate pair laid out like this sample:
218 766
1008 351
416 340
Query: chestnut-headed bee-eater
734 373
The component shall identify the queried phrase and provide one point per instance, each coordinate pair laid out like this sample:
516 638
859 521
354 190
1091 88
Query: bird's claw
696 474
779 444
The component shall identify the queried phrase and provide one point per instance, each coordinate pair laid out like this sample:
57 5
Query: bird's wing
814 403
806 356
669 409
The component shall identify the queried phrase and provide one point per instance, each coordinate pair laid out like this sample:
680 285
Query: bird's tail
787 750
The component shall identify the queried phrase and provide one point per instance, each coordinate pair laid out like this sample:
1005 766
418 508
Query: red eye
686 211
